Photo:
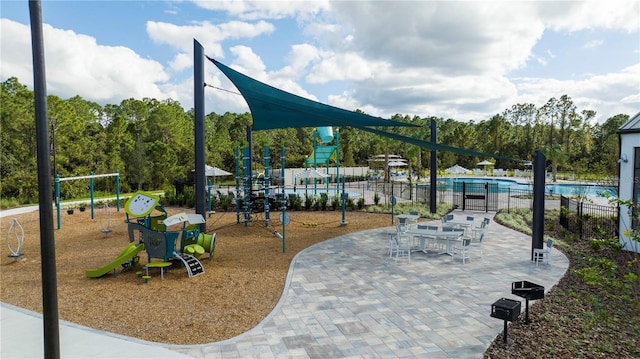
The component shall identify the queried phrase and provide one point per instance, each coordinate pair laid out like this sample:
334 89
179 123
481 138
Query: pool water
567 189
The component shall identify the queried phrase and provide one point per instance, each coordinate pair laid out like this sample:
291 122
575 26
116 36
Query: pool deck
344 298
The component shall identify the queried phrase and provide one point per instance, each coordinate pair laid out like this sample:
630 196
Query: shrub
350 204
308 202
376 198
323 202
225 202
361 203
335 202
296 202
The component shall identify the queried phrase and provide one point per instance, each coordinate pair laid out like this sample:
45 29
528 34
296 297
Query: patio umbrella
457 169
210 171
214 172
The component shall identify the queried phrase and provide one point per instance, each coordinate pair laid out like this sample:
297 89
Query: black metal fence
588 220
476 196
518 198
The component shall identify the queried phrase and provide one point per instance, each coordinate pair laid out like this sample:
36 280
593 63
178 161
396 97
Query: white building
629 185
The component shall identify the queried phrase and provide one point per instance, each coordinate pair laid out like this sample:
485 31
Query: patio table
409 218
466 225
422 234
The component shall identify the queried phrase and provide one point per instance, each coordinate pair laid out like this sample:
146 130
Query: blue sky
461 60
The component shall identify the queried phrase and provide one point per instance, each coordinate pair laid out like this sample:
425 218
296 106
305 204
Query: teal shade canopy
273 108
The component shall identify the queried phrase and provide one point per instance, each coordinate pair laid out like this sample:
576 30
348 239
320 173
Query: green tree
17 142
556 155
606 145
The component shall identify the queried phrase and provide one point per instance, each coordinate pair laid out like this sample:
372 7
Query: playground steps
193 265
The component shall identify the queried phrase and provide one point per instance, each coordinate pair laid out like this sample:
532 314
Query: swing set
90 177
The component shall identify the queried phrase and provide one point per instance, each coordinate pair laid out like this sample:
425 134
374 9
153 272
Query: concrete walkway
345 298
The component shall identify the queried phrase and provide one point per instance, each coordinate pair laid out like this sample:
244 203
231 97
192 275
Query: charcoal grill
507 310
528 291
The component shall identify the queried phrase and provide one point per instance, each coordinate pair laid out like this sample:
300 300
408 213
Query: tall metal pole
250 158
539 166
118 190
91 189
47 242
267 183
237 197
284 204
337 135
198 129
433 201
53 144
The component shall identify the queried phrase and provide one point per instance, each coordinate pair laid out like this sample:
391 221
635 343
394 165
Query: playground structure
147 222
258 191
17 232
322 154
90 177
105 219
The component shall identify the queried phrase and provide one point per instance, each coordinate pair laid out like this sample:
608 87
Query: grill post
507 310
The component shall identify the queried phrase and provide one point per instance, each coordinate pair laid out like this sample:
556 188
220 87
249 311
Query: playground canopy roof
184 217
273 108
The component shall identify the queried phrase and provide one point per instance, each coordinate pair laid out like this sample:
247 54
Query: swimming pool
567 189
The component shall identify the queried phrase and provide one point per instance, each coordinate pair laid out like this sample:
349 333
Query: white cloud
209 35
593 43
611 92
449 59
253 10
181 61
580 15
76 64
250 64
454 37
347 66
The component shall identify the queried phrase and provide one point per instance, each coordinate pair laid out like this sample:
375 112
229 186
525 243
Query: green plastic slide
131 251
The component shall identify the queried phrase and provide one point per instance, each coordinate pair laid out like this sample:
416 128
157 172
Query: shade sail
431 145
273 108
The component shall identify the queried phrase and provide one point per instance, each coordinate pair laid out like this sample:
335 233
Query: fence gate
475 196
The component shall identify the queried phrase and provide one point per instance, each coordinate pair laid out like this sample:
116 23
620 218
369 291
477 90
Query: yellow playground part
207 242
195 250
161 265
126 255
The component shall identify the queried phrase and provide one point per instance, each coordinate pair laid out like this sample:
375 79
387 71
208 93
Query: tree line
150 142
